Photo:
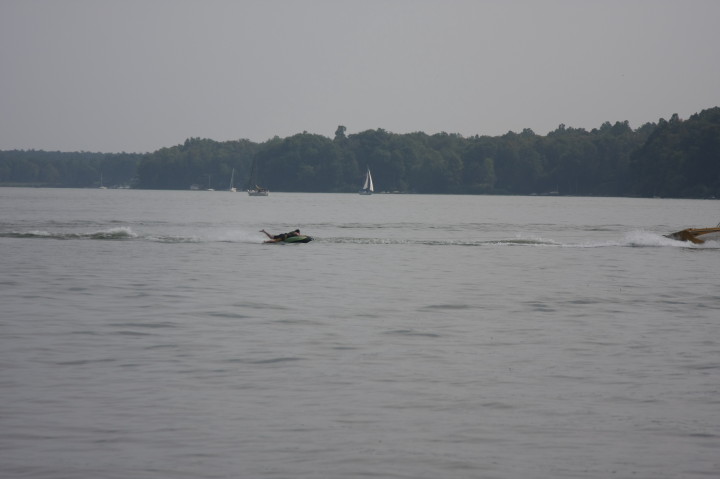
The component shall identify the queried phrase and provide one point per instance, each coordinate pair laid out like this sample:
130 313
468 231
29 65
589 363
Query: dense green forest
70 170
675 158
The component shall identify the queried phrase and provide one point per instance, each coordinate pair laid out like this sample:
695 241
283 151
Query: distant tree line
675 158
70 170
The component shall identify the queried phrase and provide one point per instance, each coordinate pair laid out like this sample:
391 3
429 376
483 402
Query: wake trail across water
634 239
119 233
640 238
126 233
630 239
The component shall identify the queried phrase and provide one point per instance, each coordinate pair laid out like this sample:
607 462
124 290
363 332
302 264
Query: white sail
232 180
367 188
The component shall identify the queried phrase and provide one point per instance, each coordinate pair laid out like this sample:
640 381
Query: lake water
151 334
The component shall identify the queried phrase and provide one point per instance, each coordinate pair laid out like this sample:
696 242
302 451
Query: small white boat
258 191
697 235
367 188
253 189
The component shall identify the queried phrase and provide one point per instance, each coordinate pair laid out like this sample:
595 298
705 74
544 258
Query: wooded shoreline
671 158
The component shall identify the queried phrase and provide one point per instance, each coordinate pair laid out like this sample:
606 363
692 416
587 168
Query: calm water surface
149 334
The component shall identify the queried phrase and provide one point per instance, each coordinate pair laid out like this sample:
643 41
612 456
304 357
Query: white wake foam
647 239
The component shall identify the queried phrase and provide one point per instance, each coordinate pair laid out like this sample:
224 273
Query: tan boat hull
696 235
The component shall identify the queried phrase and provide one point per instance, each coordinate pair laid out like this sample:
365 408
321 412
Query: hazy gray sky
138 75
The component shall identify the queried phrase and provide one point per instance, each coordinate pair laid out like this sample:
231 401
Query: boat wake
125 233
119 233
390 241
639 238
631 239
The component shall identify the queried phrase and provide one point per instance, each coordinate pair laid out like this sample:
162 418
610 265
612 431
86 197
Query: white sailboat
367 188
232 177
